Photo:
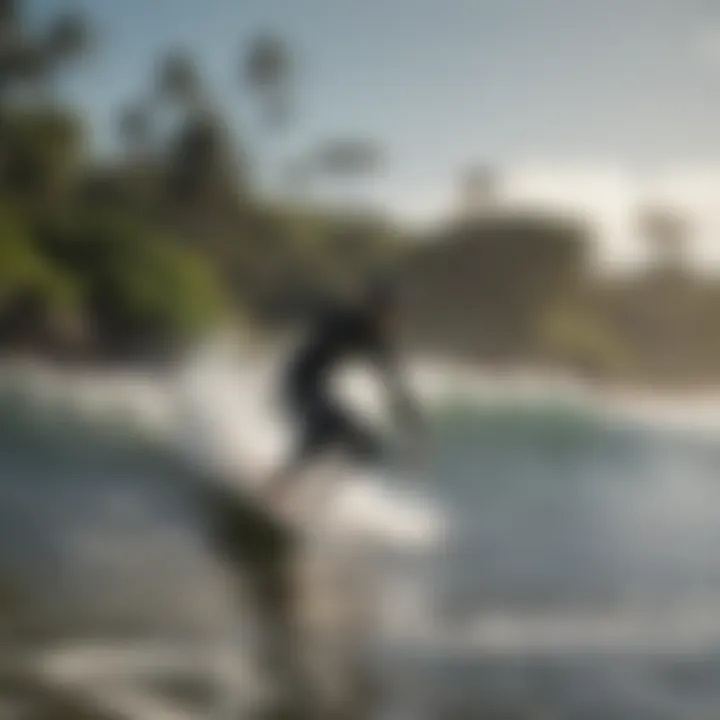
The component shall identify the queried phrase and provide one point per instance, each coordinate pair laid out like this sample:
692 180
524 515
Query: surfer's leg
325 426
318 434
359 441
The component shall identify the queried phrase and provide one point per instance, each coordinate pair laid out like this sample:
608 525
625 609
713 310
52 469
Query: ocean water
581 578
553 560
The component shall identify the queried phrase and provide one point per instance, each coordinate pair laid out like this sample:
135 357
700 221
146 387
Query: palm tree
27 60
21 64
9 17
67 38
268 69
134 126
178 79
348 158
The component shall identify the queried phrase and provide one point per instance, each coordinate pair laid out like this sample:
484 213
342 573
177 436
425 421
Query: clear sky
441 83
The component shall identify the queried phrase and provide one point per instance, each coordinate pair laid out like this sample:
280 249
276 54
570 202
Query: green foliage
42 156
335 250
136 282
25 271
162 286
20 265
483 283
580 340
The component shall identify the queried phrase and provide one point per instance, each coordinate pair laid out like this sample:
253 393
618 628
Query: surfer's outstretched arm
403 401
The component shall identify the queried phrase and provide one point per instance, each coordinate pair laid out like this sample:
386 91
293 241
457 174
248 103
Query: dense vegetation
134 255
519 290
189 224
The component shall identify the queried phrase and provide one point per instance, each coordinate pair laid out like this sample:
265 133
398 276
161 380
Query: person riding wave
339 332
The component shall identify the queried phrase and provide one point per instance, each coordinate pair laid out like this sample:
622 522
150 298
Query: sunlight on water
570 543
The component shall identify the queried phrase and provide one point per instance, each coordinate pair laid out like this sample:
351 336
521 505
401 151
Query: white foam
694 411
633 629
227 415
368 507
221 410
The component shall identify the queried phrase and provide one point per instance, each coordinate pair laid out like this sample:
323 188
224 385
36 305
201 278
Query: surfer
365 330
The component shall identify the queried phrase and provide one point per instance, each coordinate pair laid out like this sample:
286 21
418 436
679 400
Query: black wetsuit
338 334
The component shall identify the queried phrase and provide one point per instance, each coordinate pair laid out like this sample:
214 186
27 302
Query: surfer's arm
403 402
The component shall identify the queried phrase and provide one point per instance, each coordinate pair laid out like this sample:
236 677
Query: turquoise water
580 577
97 535
562 508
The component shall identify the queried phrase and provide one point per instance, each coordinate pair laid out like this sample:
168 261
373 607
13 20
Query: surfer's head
382 298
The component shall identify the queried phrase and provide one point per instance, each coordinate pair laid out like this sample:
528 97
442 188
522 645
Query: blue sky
441 84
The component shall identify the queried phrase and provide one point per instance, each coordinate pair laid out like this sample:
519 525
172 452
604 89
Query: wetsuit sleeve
404 404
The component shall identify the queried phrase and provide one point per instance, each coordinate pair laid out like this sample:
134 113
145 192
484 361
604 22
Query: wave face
580 578
555 559
96 535
560 509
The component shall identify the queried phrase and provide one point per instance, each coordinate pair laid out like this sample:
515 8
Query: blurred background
179 178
